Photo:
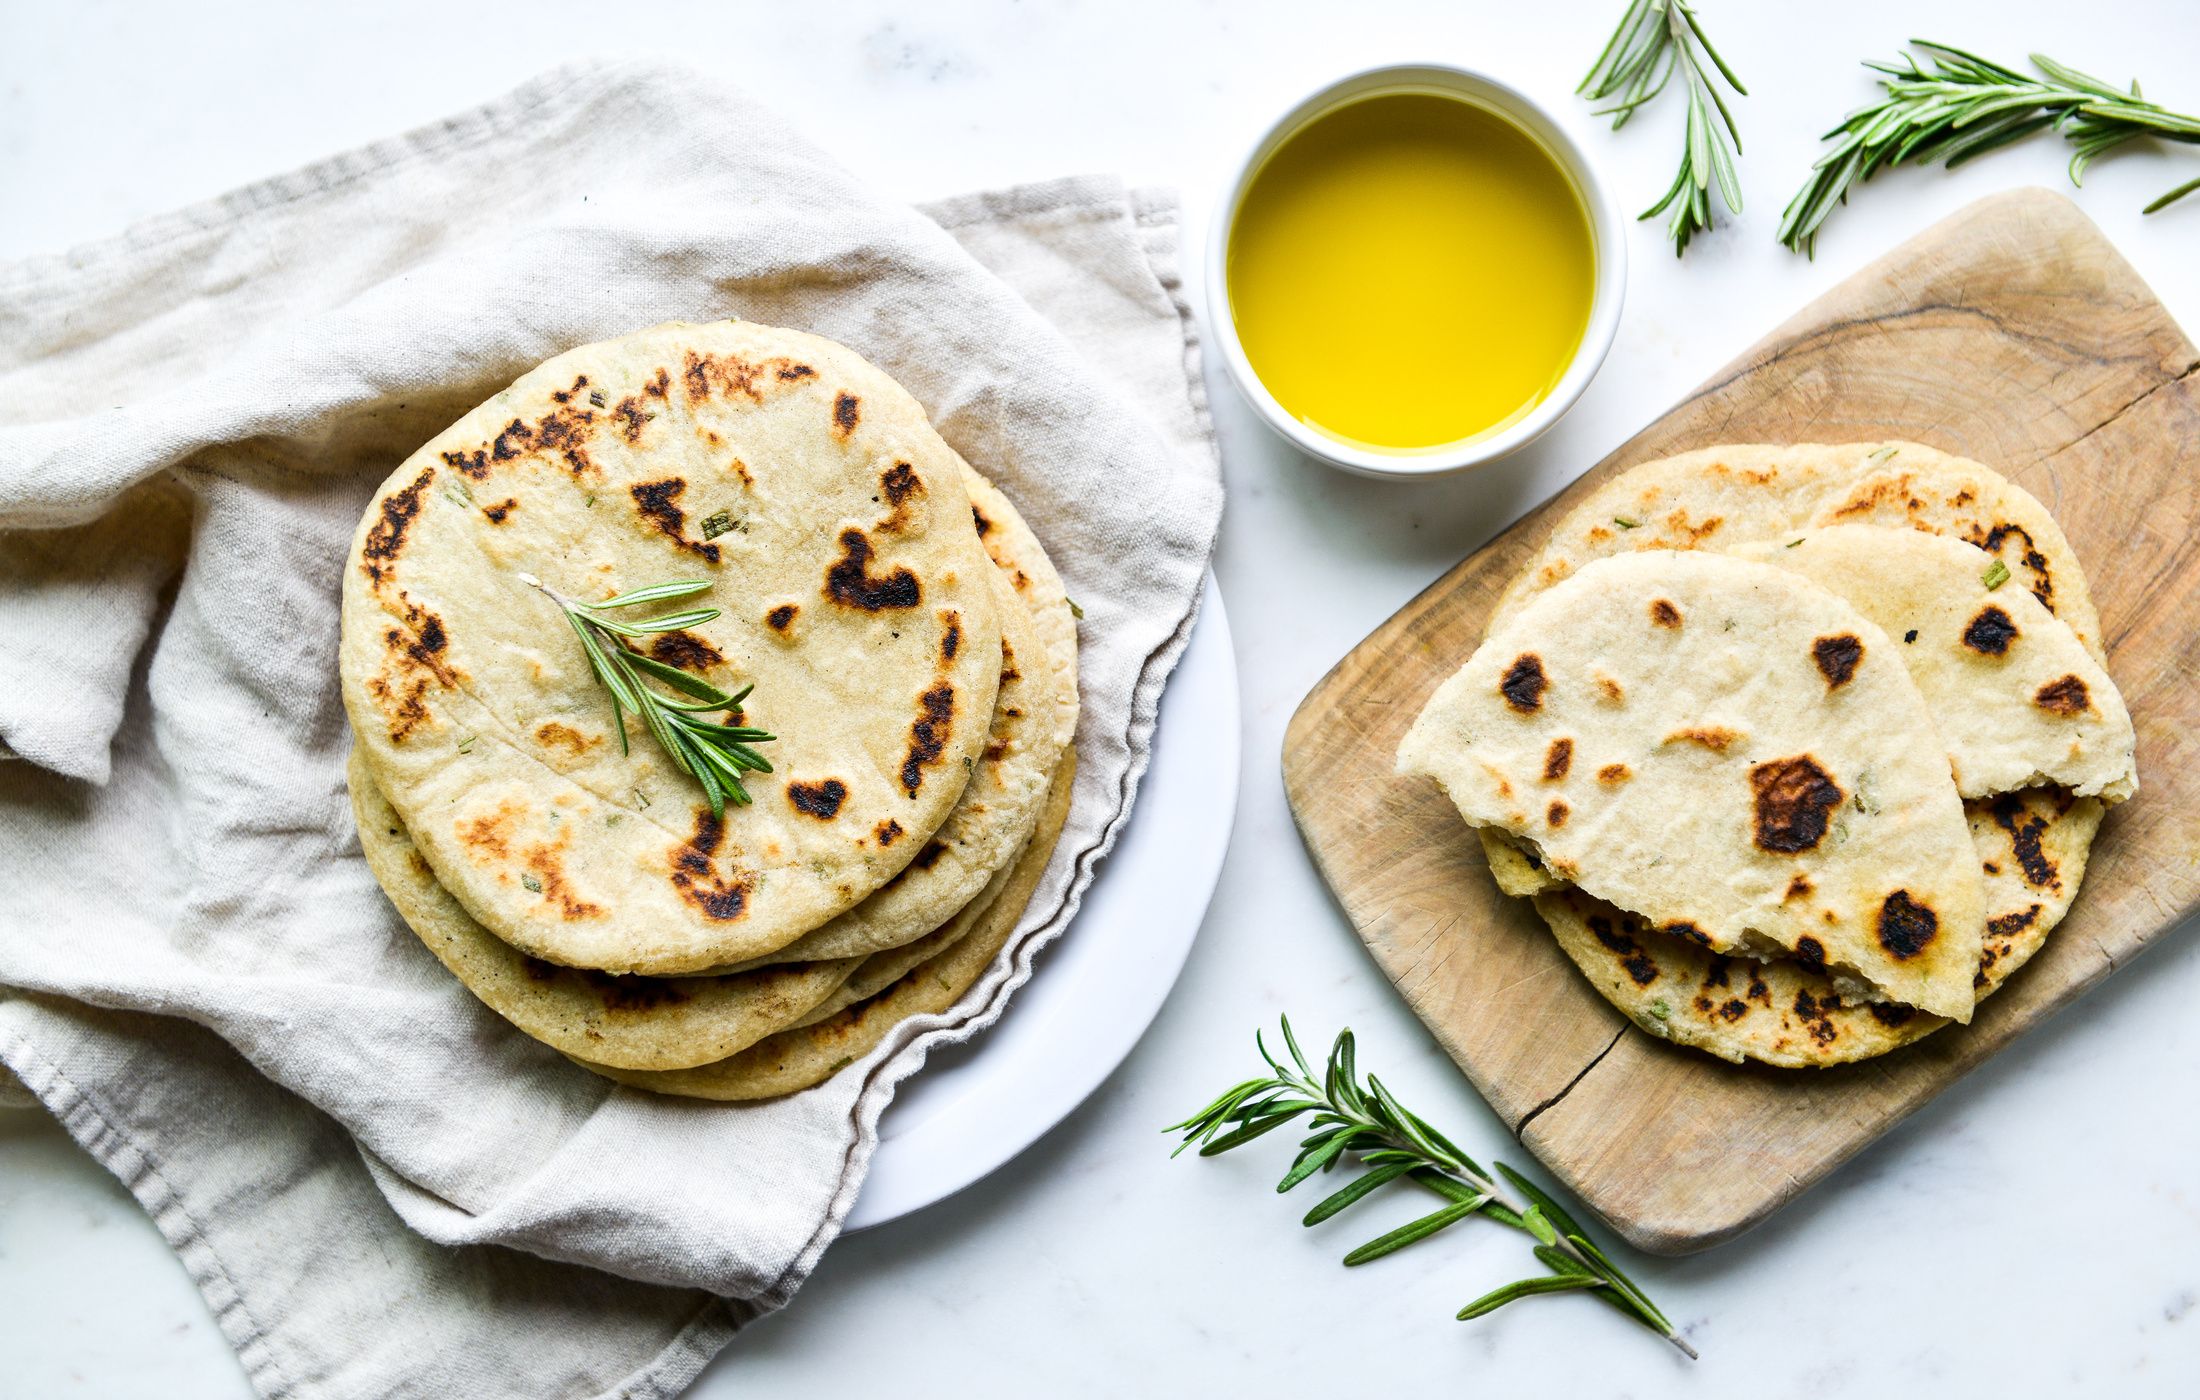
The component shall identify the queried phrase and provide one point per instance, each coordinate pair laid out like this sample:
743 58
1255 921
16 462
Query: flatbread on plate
637 1022
808 1055
833 527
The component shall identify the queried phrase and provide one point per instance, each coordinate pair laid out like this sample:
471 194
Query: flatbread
1780 1013
657 1023
834 529
1736 494
1015 549
990 824
1731 752
809 1055
2017 699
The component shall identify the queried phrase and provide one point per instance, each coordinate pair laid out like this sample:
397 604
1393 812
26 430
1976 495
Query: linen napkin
197 974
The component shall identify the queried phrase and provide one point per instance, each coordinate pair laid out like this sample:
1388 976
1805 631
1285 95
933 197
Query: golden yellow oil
1409 270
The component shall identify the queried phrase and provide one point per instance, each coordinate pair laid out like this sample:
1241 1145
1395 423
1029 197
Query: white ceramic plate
1097 988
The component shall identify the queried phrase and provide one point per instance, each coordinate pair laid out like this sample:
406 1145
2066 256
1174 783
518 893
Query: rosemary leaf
1512 1292
1412 1232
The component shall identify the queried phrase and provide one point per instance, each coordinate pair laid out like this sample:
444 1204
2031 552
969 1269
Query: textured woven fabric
197 973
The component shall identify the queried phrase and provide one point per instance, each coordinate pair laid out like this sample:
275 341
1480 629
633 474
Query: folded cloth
197 973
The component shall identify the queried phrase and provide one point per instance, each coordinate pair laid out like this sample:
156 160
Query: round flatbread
999 807
649 1023
1730 751
833 528
2033 846
2017 699
1737 494
808 1055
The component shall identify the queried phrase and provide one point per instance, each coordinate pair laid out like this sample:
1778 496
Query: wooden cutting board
2011 333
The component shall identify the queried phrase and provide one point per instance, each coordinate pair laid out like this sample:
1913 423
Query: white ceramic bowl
1607 232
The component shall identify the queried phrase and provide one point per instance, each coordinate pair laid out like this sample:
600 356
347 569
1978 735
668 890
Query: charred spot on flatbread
1558 812
1905 925
684 650
1990 633
1558 759
850 583
1641 968
720 898
2025 831
1810 953
821 800
1524 683
1837 657
1683 928
386 537
2065 696
2035 563
951 635
1890 1014
658 502
1613 774
928 735
501 510
1664 614
847 409
929 856
1794 797
781 618
888 832
1799 887
984 526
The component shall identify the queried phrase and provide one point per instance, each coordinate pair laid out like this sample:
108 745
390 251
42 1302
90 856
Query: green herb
1363 1125
714 754
1626 524
466 745
1074 610
531 883
1882 454
717 523
1792 543
1655 39
1956 107
1997 574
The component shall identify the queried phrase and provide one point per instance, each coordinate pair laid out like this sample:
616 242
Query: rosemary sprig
1363 1124
715 755
1956 107
1655 39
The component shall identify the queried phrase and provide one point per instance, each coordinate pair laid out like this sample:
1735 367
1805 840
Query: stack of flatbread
1799 750
896 628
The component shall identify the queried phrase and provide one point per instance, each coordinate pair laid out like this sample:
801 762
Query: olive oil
1410 270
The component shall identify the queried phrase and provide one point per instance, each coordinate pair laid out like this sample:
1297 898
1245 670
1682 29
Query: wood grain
2011 333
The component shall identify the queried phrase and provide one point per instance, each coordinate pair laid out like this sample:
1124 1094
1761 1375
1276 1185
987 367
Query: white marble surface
2035 1231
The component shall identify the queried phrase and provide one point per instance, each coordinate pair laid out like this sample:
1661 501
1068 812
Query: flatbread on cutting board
2033 845
2018 701
808 1055
1729 751
637 1022
1740 493
1735 494
833 526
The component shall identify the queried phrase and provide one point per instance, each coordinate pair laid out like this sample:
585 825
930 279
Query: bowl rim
1608 239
